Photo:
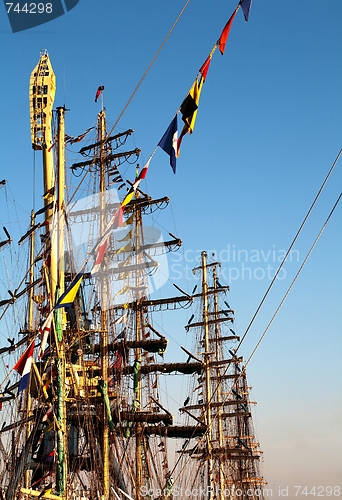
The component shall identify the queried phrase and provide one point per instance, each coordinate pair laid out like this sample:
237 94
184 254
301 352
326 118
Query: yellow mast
104 332
60 197
42 96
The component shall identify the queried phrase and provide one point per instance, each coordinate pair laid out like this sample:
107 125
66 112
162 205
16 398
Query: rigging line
293 281
289 249
149 66
271 321
79 186
34 182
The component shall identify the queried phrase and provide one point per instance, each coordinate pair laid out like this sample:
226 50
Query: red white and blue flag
169 142
23 367
141 176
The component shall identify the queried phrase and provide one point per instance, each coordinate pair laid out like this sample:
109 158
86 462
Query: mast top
42 95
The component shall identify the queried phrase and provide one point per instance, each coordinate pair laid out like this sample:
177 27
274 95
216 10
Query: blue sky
267 131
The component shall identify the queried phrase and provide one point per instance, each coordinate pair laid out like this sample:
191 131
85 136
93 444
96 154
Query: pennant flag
23 367
169 142
30 231
71 140
179 142
121 319
49 457
52 145
117 219
127 198
205 66
121 335
68 297
245 6
101 250
40 479
127 236
48 415
47 207
123 290
44 333
221 43
114 223
130 219
190 105
46 491
142 175
125 248
98 92
49 428
49 192
118 178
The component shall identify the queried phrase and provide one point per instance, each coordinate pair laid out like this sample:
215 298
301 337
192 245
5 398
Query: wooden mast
230 453
207 355
30 329
138 337
218 390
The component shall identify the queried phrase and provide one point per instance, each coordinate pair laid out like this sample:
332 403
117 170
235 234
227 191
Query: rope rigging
290 248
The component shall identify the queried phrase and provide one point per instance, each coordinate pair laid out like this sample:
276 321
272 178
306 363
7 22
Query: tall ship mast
225 462
87 418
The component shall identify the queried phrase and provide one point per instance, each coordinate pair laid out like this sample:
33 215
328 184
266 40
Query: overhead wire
289 249
293 282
